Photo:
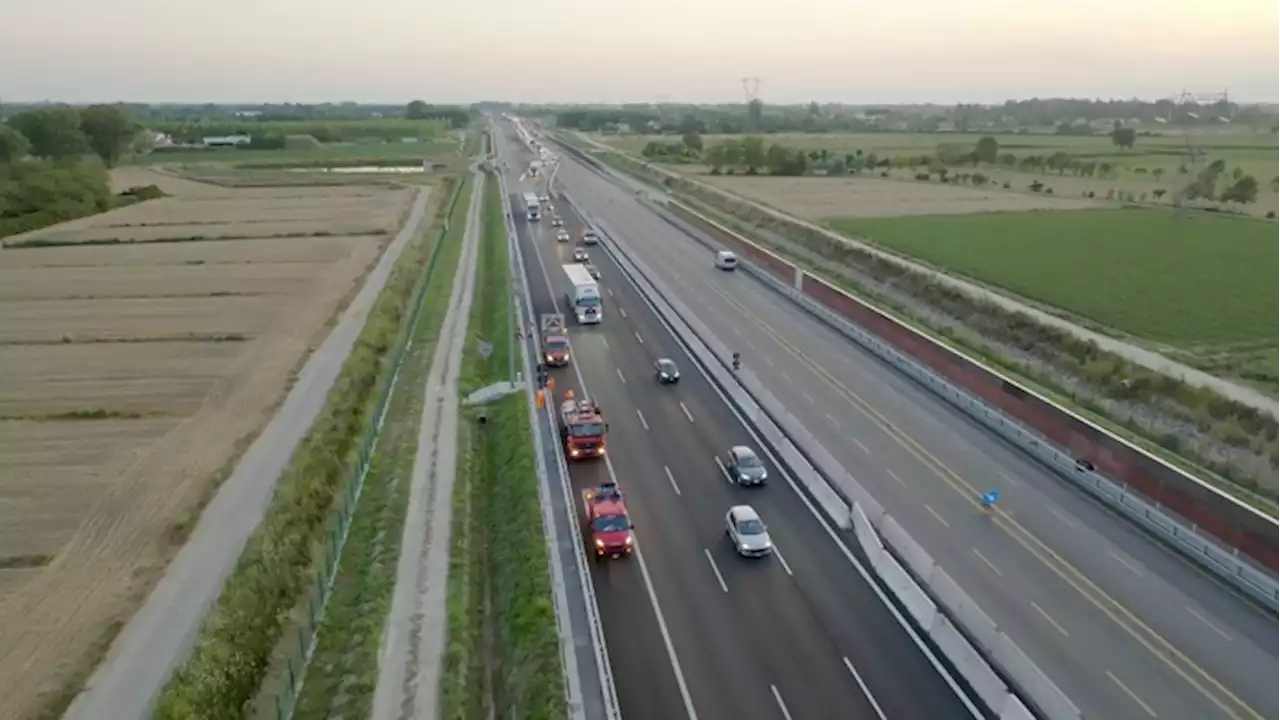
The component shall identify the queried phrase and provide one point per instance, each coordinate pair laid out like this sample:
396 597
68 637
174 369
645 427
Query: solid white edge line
644 567
777 696
715 569
866 691
642 420
778 554
604 669
639 556
862 570
672 479
685 408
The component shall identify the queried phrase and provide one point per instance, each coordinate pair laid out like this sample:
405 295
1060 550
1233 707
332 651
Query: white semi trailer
582 293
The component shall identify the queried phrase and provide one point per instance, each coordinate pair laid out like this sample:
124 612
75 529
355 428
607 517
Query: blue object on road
990 497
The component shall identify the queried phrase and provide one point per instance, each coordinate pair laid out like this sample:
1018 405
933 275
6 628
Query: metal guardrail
946 615
300 654
1203 549
547 419
1220 560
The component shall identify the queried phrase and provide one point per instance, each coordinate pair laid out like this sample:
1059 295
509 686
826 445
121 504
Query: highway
1124 626
692 629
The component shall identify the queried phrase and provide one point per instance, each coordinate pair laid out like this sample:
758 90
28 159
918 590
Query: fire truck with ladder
582 428
555 341
608 524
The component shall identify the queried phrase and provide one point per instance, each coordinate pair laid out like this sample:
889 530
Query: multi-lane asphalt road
692 629
1125 627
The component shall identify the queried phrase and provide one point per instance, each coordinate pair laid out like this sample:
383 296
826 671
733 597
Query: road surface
1124 626
692 629
1133 353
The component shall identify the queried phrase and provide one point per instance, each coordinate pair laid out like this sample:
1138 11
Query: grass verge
233 650
503 656
1224 442
342 675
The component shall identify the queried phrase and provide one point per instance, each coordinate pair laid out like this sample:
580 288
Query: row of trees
752 155
60 133
53 163
1065 116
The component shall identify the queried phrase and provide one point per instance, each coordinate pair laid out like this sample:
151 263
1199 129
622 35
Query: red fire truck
608 524
555 341
582 428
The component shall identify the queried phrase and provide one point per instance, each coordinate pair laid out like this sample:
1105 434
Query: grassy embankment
234 650
503 654
343 671
1231 445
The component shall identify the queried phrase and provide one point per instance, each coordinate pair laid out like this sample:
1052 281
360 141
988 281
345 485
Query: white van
726 260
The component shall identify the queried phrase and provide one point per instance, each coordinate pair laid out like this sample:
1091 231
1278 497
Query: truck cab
582 428
608 523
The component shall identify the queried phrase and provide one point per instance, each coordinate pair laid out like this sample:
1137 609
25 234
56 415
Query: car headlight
743 547
599 543
744 476
629 540
764 474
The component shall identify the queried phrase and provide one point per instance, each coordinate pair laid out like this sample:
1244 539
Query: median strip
503 653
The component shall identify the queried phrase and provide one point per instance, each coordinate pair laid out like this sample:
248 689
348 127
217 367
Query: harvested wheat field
815 198
133 374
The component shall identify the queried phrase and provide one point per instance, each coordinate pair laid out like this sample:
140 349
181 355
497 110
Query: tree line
53 163
751 155
1063 116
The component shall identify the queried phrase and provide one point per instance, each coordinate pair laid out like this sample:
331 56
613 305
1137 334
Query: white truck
532 208
582 293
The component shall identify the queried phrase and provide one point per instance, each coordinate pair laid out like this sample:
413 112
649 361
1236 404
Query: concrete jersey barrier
971 388
949 620
1159 495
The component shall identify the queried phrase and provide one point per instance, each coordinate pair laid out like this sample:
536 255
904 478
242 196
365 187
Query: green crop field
1196 281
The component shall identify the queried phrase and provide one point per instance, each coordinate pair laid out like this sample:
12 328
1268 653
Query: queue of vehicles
583 430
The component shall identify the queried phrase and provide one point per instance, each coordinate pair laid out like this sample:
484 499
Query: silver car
580 255
562 236
744 466
747 531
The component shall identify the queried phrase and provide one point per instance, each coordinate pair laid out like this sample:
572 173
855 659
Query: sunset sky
595 50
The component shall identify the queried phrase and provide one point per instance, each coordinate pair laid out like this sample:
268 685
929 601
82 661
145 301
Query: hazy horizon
695 51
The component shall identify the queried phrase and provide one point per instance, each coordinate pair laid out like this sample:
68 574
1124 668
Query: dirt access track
134 373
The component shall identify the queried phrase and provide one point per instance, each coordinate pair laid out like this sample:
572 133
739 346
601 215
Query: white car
726 260
747 531
562 236
557 221
580 255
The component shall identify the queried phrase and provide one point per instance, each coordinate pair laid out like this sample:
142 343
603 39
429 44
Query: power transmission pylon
751 89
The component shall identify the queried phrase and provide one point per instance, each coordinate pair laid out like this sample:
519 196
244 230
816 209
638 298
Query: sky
606 51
